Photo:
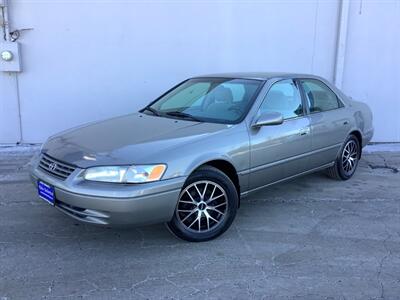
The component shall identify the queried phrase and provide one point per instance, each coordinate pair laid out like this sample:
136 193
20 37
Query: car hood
131 139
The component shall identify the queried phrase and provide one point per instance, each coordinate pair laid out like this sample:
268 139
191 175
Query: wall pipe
6 25
341 42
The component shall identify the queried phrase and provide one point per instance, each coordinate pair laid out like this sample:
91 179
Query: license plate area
46 192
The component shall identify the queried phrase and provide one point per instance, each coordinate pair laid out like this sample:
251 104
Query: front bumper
112 204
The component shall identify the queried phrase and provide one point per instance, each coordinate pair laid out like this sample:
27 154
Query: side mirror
269 118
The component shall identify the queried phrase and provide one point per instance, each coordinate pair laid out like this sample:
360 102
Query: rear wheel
347 161
206 206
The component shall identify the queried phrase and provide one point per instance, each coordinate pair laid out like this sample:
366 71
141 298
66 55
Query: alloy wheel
202 206
350 157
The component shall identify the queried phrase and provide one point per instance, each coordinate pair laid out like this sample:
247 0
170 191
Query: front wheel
206 206
347 161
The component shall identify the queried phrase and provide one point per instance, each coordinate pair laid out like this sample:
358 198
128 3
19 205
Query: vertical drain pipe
341 42
6 26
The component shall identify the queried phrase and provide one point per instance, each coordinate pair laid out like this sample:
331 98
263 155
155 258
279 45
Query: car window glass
237 90
283 97
221 100
319 96
187 96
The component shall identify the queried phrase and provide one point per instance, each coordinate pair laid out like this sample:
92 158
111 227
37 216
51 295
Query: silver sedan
190 156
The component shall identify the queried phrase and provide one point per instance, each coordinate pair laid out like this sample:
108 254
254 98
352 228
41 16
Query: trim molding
275 163
288 178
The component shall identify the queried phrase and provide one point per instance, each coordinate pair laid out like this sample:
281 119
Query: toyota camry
188 158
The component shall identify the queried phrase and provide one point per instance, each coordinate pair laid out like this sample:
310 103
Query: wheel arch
224 166
358 135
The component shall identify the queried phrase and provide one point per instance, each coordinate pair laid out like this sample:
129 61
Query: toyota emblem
52 166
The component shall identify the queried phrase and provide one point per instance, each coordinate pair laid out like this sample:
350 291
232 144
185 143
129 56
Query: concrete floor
312 238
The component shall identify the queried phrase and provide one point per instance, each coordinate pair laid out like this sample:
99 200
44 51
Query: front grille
55 167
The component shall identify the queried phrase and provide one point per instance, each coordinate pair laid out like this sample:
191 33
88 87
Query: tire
195 204
347 161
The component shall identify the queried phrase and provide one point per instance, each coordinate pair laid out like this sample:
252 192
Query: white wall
10 131
372 63
88 60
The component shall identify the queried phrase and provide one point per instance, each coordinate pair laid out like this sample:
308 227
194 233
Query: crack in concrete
249 250
382 261
393 169
2 203
384 166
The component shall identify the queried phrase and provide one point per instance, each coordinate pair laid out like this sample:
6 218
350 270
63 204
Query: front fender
231 145
206 158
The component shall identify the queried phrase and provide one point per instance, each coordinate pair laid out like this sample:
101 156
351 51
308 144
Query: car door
280 151
329 121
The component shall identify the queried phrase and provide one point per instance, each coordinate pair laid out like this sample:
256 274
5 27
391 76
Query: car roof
259 75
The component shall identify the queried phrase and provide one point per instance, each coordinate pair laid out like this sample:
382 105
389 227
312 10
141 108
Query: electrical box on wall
10 60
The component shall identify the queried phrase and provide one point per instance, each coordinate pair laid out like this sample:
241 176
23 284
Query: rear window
319 96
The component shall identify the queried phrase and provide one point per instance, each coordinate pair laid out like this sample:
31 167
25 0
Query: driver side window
283 97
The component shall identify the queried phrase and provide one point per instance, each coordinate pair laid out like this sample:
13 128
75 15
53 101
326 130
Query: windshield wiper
183 115
149 108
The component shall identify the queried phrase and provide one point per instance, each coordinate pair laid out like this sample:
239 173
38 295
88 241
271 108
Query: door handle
304 131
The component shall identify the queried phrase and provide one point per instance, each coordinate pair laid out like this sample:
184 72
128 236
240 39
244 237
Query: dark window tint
283 97
319 96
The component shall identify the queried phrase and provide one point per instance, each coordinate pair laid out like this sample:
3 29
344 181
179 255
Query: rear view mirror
268 118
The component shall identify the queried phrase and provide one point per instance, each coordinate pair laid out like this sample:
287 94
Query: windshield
219 100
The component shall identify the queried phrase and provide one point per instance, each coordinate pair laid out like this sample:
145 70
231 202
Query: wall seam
19 110
315 36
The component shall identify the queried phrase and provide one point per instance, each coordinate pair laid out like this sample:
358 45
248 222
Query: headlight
125 174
